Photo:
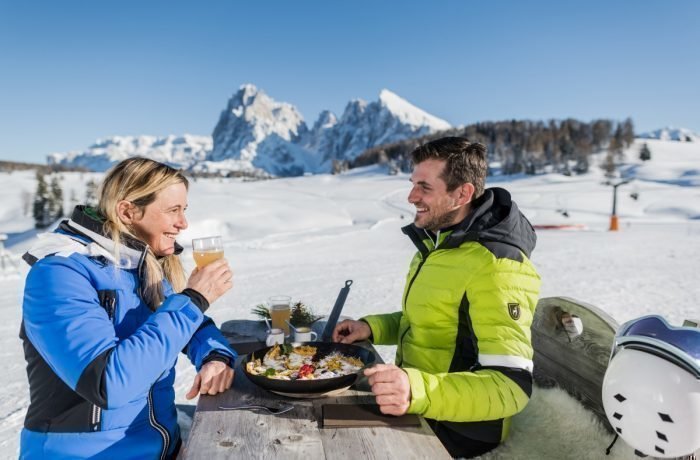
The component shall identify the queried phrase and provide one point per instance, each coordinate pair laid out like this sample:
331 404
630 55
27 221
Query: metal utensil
269 410
290 326
335 313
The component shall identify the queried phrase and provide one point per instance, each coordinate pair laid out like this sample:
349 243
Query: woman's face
163 220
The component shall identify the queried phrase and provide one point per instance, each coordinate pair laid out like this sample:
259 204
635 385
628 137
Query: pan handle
335 313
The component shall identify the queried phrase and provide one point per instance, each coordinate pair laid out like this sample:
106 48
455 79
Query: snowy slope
305 236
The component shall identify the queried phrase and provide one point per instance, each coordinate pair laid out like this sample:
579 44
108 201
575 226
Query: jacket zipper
405 299
159 428
110 306
95 418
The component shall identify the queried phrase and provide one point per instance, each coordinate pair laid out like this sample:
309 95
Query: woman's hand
212 280
214 377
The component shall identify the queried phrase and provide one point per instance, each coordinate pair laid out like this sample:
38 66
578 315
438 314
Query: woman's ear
126 212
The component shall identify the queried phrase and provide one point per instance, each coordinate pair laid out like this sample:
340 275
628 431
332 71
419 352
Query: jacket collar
494 218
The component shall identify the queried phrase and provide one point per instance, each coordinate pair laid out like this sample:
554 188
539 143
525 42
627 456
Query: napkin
355 415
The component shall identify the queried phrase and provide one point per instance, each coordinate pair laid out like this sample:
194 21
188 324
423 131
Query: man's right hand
350 331
212 280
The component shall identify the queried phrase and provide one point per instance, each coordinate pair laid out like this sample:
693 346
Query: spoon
290 326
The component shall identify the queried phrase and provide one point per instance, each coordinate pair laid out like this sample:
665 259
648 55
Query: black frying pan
312 386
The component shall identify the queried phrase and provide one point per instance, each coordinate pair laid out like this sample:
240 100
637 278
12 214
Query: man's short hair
465 161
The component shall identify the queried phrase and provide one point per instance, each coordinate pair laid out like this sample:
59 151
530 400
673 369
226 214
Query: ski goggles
652 334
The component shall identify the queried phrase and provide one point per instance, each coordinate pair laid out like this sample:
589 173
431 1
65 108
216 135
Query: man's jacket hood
494 218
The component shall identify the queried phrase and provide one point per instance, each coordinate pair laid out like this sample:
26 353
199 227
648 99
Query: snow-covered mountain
256 130
273 136
178 151
364 125
256 133
671 134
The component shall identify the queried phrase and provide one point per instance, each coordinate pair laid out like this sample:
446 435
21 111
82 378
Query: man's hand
391 386
350 331
214 377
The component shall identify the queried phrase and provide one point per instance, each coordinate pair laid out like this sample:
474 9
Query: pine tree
55 200
645 153
40 212
617 143
628 132
609 165
91 193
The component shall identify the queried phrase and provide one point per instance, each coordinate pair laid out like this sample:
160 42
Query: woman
107 309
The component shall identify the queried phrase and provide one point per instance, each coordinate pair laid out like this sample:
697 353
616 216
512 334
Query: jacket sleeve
385 328
65 322
206 341
499 306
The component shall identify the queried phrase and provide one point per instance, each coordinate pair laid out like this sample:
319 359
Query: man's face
436 208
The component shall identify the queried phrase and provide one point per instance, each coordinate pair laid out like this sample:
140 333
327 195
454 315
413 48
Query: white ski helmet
651 390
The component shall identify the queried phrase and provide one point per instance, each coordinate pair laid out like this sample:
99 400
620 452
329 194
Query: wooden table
295 434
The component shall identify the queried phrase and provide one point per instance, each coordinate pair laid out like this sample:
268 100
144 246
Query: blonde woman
107 310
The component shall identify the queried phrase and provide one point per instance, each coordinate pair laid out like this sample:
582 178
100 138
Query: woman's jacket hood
84 234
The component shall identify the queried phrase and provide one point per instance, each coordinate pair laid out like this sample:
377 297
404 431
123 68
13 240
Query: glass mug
304 334
207 250
280 312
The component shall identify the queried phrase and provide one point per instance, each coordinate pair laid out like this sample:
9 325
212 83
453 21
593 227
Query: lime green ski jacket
463 333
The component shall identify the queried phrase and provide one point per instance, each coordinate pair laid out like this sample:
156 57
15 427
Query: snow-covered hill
257 133
671 134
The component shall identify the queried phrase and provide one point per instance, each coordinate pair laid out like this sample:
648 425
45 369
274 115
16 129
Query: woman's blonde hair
139 180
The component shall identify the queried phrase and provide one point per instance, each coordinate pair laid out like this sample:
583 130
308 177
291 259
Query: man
464 356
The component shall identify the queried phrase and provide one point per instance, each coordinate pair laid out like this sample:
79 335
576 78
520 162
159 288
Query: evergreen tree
645 153
55 200
338 166
91 193
617 143
40 212
609 165
628 132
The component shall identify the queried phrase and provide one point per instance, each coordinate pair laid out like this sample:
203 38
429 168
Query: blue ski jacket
100 362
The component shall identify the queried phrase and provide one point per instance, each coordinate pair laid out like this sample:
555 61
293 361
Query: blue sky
75 71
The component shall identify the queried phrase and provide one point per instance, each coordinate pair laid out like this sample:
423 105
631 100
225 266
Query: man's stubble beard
441 221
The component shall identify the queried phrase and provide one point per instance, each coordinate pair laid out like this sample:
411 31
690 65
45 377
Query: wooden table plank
250 434
297 434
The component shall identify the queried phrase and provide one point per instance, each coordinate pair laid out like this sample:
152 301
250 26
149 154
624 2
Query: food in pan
299 363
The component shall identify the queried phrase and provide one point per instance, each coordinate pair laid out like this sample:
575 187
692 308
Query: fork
269 410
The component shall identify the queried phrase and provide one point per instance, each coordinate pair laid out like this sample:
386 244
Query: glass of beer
207 250
280 312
